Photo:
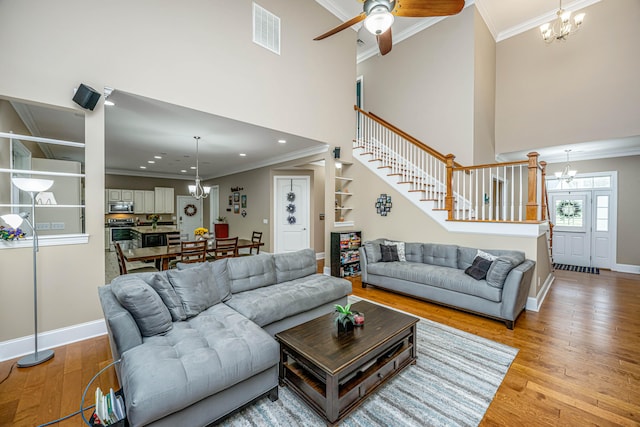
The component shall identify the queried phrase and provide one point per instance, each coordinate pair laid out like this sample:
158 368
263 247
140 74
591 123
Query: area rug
454 381
590 270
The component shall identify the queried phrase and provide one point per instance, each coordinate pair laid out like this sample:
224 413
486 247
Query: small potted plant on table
344 318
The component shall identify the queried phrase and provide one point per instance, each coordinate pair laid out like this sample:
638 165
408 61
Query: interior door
292 205
188 223
571 212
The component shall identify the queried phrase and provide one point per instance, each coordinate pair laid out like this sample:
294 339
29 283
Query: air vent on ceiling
266 29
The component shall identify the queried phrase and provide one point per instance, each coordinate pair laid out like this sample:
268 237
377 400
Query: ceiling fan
378 16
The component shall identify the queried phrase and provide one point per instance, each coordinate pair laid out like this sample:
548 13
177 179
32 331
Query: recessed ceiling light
243 155
157 157
109 103
143 167
193 167
183 171
151 161
282 141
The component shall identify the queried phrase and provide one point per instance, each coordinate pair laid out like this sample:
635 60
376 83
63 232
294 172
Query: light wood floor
578 364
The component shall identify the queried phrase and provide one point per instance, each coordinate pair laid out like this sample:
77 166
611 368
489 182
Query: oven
120 230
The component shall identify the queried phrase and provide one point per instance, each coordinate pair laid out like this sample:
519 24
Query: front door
292 207
571 217
189 216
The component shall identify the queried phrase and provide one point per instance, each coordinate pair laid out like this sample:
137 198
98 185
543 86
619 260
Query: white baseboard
534 303
626 268
319 255
50 339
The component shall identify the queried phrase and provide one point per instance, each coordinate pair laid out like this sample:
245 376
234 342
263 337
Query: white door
292 207
571 213
189 216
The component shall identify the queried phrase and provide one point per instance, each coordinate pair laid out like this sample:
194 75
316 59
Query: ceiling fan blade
384 42
424 8
342 26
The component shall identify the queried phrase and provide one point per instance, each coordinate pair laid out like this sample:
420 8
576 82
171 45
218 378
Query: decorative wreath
291 208
190 210
291 196
569 209
291 219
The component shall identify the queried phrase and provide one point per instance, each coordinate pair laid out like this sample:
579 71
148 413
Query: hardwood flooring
578 364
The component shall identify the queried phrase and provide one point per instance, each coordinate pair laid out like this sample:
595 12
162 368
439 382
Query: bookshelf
343 203
345 254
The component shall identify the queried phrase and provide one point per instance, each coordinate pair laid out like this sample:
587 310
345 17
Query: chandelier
567 173
198 191
561 27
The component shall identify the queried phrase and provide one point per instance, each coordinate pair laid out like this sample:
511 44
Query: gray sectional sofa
436 272
196 343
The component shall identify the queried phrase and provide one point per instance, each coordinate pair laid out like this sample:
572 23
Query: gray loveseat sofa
196 343
436 272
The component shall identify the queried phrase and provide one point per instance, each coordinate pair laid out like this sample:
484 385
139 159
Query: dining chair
256 239
226 247
122 263
174 241
193 251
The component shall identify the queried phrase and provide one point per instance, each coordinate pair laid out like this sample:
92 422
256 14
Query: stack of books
109 408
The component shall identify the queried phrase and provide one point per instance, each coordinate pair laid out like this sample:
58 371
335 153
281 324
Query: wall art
383 204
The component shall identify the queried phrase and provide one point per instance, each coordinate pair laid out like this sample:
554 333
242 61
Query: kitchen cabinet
118 195
144 202
164 200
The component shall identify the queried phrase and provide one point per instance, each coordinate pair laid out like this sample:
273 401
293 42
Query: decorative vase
154 225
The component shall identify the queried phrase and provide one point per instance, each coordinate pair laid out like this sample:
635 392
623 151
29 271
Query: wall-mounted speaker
86 97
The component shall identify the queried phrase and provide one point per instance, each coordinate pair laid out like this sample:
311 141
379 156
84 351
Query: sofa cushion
195 287
388 253
478 270
501 267
439 254
160 283
413 252
372 250
293 265
220 277
196 359
400 246
272 303
251 272
144 304
434 275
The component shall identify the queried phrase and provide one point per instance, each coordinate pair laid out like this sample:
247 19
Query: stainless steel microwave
120 207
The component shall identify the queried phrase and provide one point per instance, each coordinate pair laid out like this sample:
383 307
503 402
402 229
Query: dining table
161 255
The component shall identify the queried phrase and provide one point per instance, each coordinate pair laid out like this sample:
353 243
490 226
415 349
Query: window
570 213
59 212
602 213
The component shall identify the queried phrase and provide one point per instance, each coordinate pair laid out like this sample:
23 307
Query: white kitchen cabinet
139 202
127 195
114 195
164 200
149 202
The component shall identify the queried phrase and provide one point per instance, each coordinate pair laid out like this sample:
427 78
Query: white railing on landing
445 190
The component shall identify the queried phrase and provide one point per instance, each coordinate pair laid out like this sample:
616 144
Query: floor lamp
33 186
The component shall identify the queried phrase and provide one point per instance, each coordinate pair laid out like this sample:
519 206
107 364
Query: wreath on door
569 209
190 210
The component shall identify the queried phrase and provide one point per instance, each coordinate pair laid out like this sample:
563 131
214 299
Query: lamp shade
33 185
12 220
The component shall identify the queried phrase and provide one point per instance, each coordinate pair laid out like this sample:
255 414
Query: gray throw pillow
478 269
194 289
160 283
501 267
144 304
389 253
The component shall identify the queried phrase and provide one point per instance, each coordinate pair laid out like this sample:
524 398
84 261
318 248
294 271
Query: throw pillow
400 246
160 284
389 253
144 304
193 288
479 268
486 255
501 267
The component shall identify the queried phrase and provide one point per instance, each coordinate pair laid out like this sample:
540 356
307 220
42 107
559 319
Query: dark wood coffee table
333 373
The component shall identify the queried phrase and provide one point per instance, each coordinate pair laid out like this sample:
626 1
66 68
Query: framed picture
236 197
243 201
236 208
230 200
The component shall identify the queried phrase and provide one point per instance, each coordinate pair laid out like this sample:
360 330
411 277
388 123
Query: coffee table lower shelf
334 396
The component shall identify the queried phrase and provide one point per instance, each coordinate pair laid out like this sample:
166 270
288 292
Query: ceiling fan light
379 20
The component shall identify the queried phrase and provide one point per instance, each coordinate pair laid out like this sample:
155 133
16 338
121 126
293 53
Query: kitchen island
146 236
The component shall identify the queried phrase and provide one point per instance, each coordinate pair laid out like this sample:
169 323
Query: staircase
502 198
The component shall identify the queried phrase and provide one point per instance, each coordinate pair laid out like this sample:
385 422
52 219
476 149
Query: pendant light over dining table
198 191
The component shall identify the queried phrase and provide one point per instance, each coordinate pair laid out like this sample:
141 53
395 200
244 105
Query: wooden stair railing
500 192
